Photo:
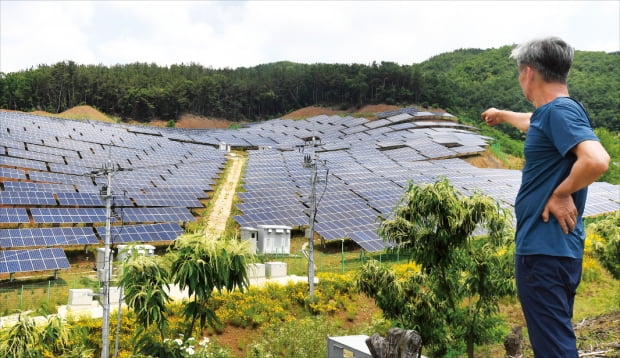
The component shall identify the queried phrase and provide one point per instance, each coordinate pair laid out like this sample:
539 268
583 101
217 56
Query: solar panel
27 198
28 186
369 241
25 154
68 169
168 199
68 215
49 177
91 199
12 173
163 214
142 233
22 163
13 261
10 238
79 199
14 216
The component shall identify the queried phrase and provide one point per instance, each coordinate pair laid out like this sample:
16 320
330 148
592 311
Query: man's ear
530 73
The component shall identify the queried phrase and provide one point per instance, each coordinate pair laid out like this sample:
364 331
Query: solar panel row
27 198
12 261
12 173
142 233
14 216
37 237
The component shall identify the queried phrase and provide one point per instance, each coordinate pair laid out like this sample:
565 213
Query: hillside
463 82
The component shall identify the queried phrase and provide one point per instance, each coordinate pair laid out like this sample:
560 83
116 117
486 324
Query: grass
335 256
43 293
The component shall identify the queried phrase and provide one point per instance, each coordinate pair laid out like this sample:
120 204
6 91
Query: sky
232 34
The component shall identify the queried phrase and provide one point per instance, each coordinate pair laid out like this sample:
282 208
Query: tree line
463 82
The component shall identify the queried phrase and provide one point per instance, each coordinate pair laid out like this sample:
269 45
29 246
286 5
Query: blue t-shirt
555 128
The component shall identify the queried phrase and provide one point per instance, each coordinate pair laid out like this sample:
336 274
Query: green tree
202 264
611 142
144 280
455 296
464 82
607 251
198 264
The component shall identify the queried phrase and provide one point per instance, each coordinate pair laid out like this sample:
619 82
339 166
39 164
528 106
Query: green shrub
604 236
295 339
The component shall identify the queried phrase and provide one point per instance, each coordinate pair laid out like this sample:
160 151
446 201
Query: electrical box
114 295
125 251
101 263
225 147
352 346
251 235
273 239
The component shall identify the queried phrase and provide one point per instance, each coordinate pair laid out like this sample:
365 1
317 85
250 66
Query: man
562 157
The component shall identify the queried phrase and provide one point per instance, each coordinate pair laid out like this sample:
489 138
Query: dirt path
222 203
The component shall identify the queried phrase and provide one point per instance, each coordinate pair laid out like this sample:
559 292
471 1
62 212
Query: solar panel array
47 166
50 196
370 164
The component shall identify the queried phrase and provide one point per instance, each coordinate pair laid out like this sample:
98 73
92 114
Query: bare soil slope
85 112
79 112
313 111
191 121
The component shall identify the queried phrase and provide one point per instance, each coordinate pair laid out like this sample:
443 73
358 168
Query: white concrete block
80 297
256 271
275 269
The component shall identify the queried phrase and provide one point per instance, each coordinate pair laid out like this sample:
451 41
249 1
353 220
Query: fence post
21 298
342 250
49 289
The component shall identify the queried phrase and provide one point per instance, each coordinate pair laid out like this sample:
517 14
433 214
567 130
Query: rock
398 343
514 342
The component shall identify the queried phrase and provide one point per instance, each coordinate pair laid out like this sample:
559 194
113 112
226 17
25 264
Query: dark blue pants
546 286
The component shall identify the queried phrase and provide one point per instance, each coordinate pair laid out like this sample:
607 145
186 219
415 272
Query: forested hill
463 82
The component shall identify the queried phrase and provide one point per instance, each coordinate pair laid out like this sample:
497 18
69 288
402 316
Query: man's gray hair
550 56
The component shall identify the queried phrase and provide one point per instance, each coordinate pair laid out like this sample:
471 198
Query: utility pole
310 161
312 217
106 194
107 170
105 298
